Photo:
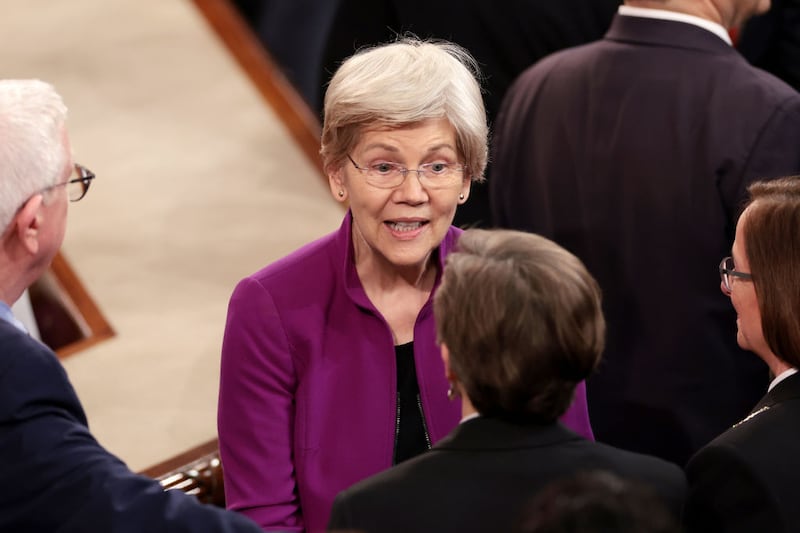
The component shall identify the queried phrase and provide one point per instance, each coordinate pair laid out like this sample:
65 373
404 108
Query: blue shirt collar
7 315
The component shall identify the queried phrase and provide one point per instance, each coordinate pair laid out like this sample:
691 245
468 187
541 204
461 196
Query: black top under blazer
748 479
634 153
480 476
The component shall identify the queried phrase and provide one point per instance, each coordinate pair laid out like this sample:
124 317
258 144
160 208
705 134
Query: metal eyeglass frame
422 174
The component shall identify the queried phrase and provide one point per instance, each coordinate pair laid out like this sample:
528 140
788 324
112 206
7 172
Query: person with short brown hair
519 323
523 322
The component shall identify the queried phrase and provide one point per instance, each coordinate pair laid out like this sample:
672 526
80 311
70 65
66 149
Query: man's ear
26 223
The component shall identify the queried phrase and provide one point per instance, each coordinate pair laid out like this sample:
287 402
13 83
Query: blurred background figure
311 38
597 502
295 34
634 153
505 36
520 324
772 41
746 479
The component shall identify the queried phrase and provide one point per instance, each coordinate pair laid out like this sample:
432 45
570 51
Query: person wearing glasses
54 476
520 324
745 480
330 369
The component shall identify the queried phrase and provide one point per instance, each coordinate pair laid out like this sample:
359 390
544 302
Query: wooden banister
197 471
265 74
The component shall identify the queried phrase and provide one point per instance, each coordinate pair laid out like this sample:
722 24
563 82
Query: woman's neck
398 292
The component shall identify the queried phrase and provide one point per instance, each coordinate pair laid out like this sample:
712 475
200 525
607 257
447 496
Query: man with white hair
54 476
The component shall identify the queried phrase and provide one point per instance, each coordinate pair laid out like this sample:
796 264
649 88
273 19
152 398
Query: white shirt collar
663 14
780 377
469 417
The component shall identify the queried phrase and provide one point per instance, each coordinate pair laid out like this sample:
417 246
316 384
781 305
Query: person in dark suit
54 476
520 324
634 153
745 480
294 33
505 37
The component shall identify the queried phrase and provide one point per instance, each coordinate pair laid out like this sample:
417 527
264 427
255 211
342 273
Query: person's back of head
522 322
596 502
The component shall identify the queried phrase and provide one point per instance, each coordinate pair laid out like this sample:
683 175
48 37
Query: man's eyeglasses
385 175
727 271
76 186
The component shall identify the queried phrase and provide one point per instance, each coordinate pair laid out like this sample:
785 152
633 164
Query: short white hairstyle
32 154
402 83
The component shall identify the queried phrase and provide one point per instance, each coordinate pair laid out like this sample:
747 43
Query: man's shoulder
30 373
18 348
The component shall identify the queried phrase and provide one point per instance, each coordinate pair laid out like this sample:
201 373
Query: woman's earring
461 196
341 193
452 392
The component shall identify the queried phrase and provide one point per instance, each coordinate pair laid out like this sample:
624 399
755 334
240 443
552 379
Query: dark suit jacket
481 475
54 476
746 480
634 153
505 36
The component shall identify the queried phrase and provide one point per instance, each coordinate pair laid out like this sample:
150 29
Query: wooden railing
67 318
197 472
267 77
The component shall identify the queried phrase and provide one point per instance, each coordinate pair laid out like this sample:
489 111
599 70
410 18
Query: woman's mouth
405 227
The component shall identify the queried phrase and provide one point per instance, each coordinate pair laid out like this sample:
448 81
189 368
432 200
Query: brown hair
522 320
772 246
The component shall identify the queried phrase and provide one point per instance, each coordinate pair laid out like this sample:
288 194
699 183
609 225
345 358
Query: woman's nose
412 190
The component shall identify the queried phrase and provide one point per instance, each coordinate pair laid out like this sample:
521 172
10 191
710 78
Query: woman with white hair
330 369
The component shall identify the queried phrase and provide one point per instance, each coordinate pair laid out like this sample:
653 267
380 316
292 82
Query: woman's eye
383 168
438 168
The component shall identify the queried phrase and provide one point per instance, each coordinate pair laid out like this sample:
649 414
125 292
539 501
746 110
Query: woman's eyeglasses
727 271
387 175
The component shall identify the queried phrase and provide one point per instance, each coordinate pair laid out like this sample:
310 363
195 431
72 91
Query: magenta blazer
308 385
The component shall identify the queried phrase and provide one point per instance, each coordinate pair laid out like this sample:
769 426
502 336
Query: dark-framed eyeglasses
727 271
78 184
386 175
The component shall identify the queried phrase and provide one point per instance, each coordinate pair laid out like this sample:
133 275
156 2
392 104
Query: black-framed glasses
78 184
727 271
386 175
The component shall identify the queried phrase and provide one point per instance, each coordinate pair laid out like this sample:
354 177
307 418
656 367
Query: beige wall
198 185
